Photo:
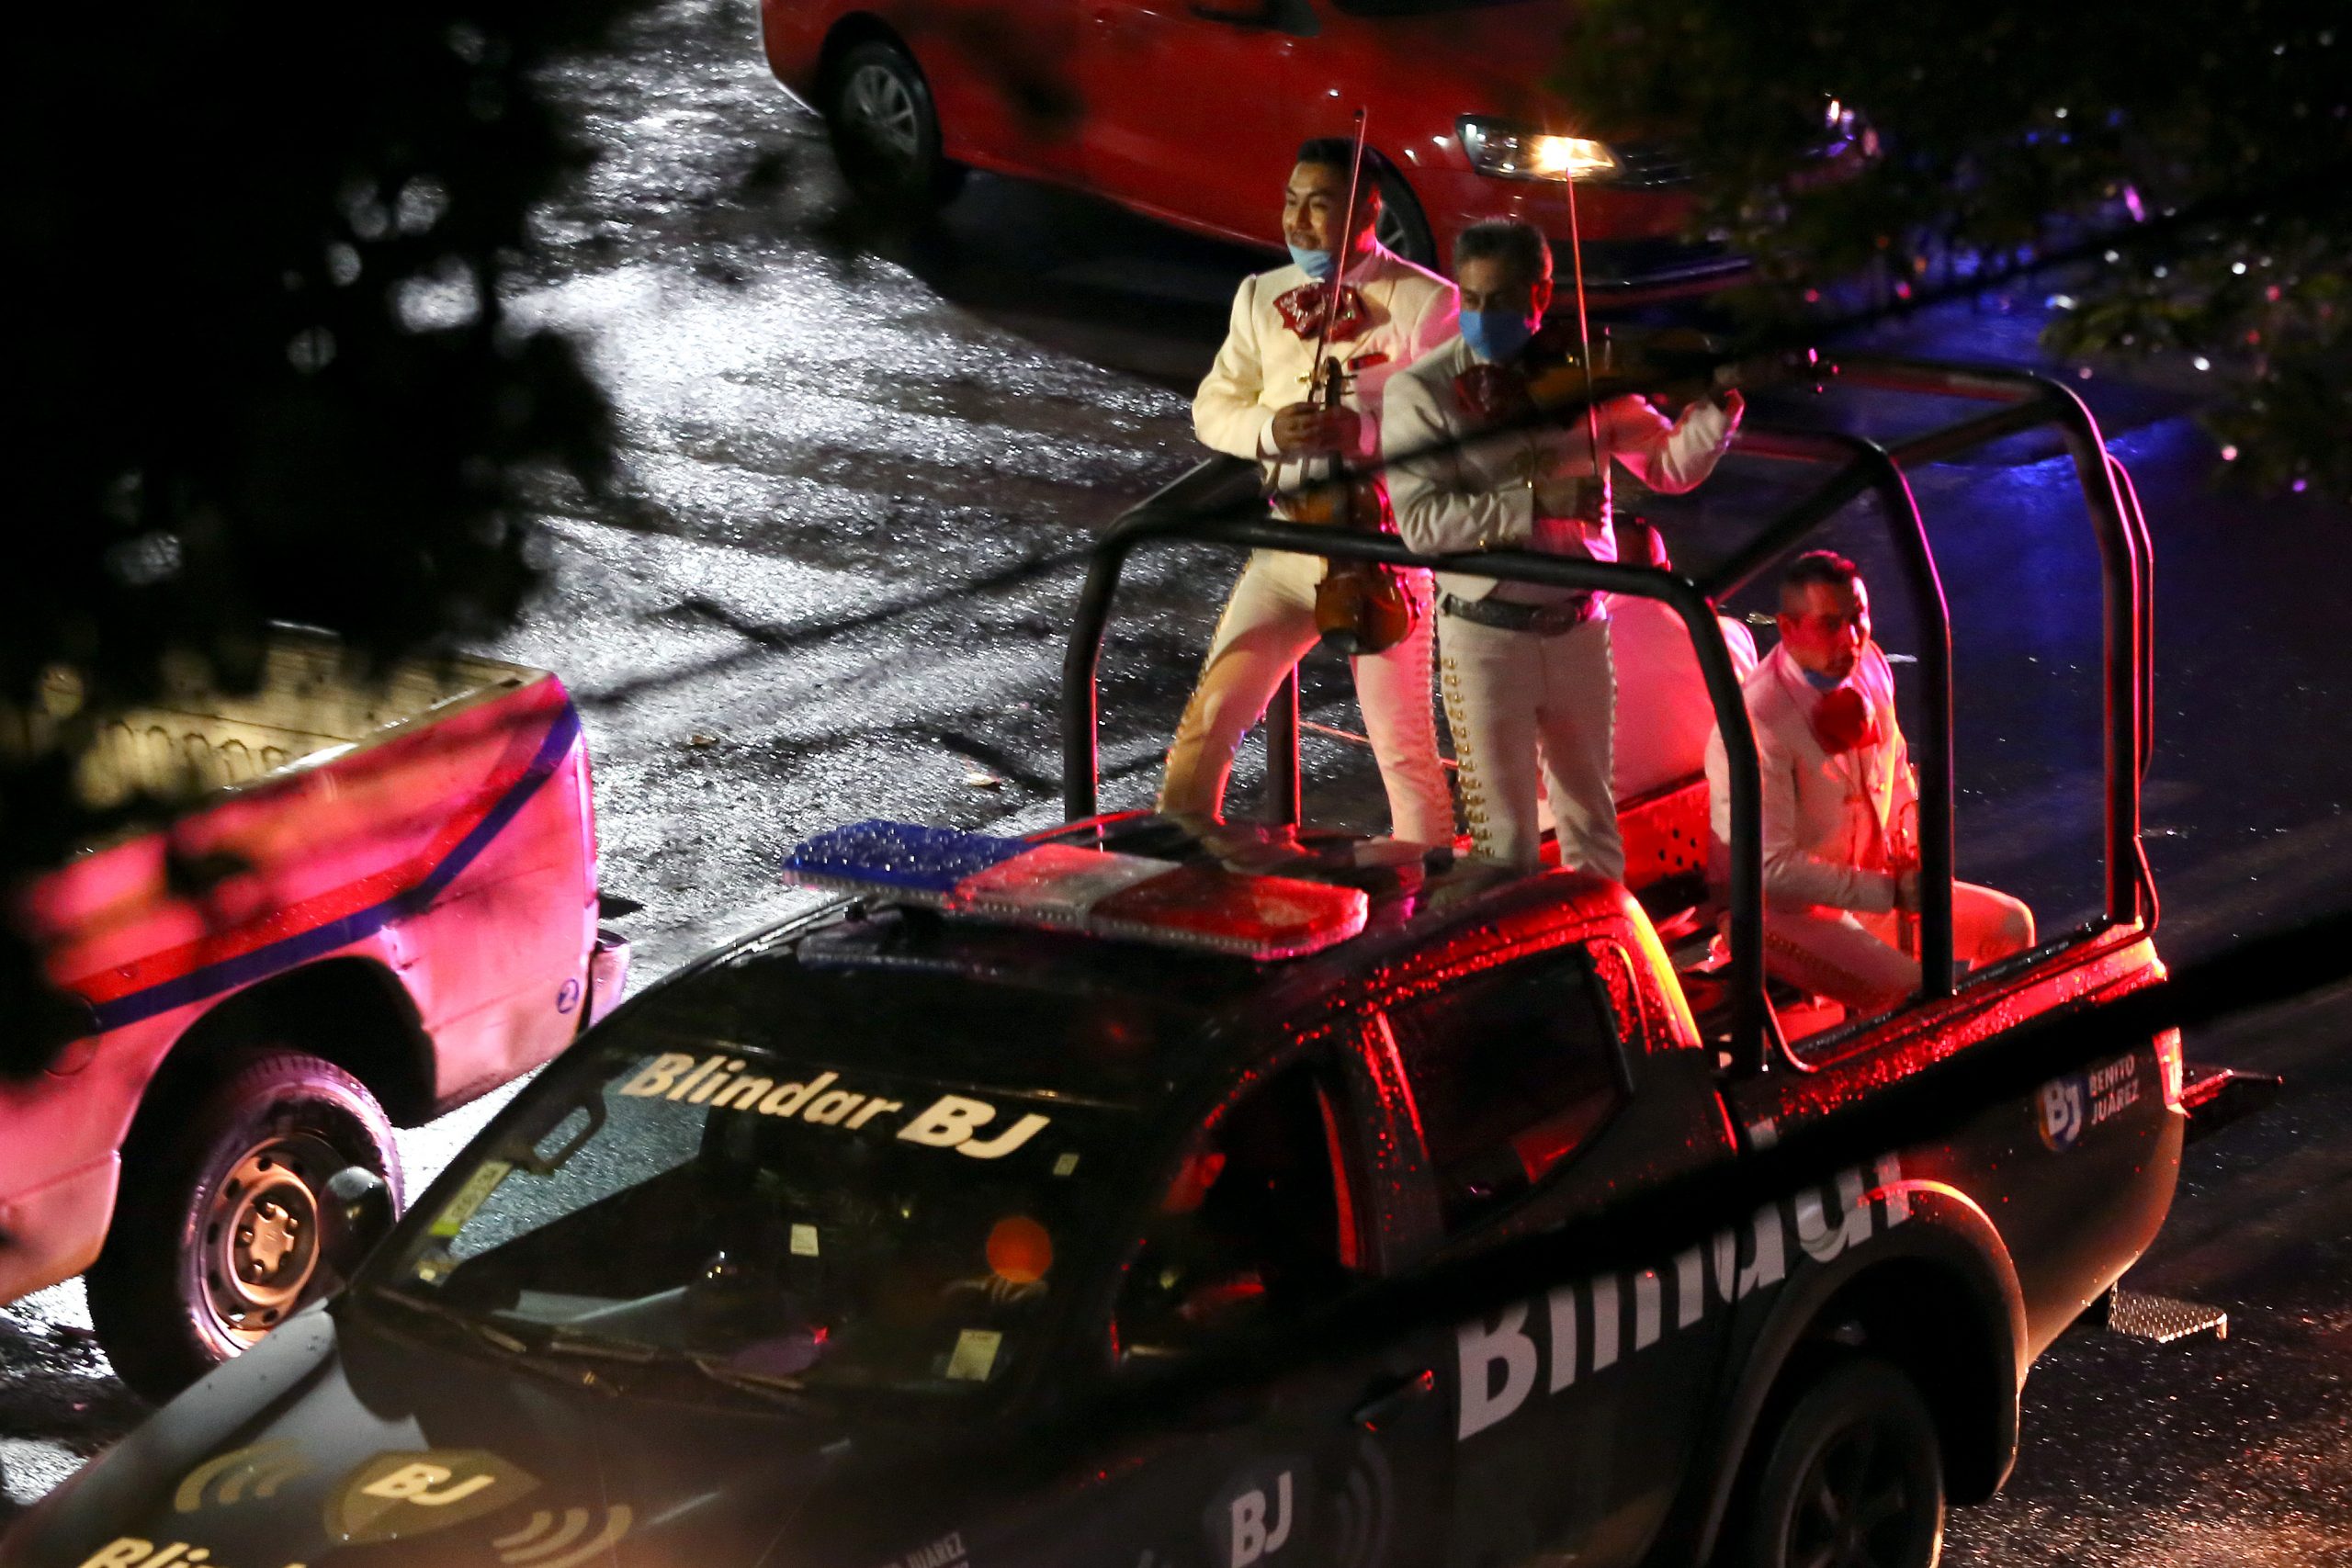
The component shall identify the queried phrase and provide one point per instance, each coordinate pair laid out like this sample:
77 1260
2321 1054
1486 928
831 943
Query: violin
1361 606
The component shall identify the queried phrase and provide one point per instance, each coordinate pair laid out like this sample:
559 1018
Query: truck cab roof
984 1002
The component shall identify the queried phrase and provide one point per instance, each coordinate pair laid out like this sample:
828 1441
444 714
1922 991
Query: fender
1947 1231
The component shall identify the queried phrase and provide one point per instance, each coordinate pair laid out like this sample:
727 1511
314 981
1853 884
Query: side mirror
354 1214
1238 13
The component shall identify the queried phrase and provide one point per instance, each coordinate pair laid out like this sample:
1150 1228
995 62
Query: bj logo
2062 1112
397 1495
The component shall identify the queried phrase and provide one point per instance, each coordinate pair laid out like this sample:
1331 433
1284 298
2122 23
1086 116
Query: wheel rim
881 111
1854 1505
260 1250
1389 229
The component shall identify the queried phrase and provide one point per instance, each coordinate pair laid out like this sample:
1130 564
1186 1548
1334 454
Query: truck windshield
792 1223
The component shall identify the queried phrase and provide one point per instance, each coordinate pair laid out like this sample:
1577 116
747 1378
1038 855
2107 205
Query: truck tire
1851 1476
886 131
216 1237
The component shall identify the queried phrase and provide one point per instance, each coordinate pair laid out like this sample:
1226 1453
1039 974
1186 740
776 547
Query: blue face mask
1820 683
1496 335
1317 265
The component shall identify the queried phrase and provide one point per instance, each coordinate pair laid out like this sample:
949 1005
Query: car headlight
1522 152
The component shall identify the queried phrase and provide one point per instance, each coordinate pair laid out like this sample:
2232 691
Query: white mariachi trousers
1517 700
1269 625
1853 958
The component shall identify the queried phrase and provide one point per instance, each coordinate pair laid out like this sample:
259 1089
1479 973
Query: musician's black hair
1825 566
1337 154
1499 239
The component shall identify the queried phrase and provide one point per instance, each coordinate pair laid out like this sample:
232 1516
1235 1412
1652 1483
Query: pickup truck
378 902
871 1239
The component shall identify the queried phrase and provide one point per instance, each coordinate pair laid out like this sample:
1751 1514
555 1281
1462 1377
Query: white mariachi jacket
1481 496
1264 366
1826 818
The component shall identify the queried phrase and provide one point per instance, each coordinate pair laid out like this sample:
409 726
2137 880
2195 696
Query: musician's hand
1303 430
1343 430
1560 496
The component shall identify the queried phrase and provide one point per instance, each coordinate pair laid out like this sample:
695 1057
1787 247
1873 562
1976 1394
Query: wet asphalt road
839 590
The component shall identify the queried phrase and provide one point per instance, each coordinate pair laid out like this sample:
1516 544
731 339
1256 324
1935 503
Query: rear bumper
53 1232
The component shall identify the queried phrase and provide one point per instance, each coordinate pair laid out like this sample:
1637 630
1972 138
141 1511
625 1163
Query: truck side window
1511 1072
1257 1223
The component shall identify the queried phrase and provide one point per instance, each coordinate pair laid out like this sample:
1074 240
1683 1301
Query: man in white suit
1255 402
1840 806
1527 669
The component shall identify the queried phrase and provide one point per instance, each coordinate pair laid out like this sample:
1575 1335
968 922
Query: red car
1191 112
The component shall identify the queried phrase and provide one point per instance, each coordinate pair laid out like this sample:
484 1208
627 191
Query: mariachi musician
1258 401
1473 464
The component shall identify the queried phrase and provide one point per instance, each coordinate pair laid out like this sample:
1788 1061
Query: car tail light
2168 1066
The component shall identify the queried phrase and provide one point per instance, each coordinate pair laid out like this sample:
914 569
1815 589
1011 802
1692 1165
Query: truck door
1342 1463
1578 1410
1190 108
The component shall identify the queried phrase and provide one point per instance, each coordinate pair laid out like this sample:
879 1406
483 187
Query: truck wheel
1852 1478
216 1237
885 132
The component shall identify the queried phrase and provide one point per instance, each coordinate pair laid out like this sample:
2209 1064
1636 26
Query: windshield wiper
515 1350
770 1386
490 1333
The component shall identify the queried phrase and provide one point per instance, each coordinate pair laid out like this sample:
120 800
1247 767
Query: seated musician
1840 867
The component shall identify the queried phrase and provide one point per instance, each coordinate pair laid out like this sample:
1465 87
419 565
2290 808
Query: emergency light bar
1063 887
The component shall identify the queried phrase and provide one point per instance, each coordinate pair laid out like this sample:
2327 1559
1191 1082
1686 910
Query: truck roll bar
1218 502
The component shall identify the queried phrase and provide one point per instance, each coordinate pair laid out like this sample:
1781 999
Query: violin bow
1584 350
1340 262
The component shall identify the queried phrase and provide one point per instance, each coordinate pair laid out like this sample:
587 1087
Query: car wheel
217 1235
1852 1477
1402 227
885 132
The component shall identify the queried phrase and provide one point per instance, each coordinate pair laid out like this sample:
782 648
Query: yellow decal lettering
121 1552
788 1098
742 1094
423 1484
709 1086
658 1074
869 1111
709 1062
831 1107
1005 1142
948 1121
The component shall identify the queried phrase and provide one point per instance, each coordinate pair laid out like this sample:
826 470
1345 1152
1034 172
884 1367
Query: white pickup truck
378 902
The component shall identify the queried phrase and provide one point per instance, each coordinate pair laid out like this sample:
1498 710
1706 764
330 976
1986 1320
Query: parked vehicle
773 1266
378 904
1190 112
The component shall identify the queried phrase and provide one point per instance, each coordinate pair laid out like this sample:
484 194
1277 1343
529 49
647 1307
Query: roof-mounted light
1062 887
